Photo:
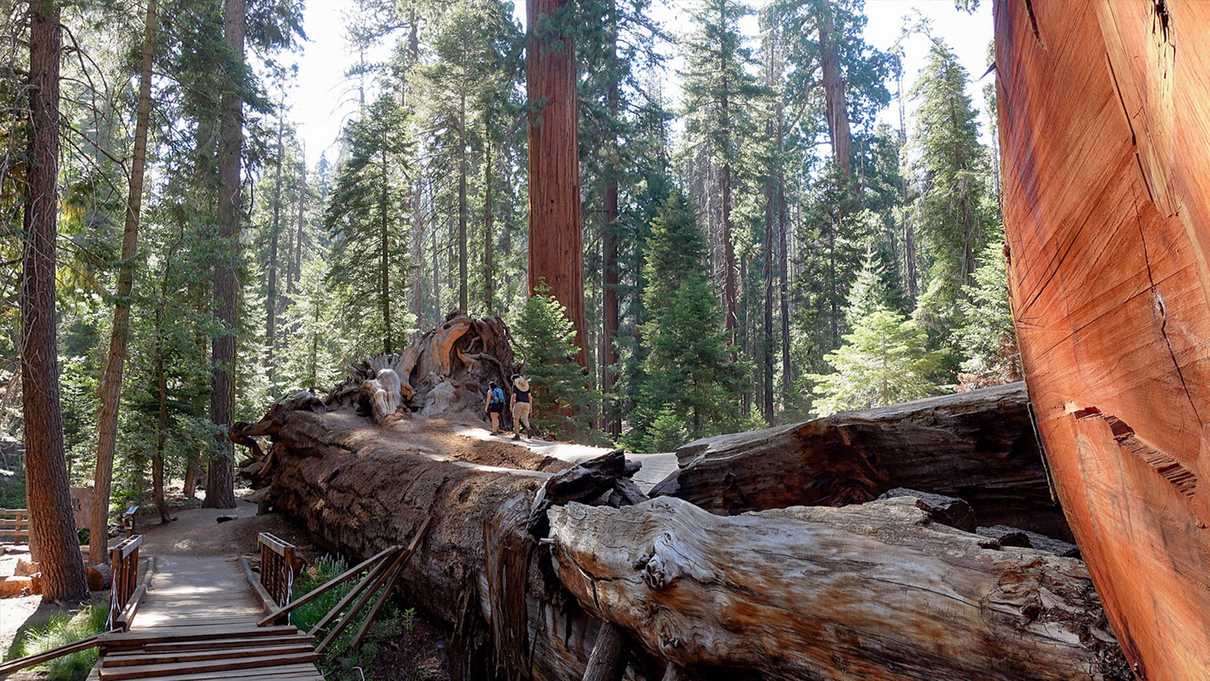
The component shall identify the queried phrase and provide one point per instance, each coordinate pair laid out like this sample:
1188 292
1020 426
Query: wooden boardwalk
198 621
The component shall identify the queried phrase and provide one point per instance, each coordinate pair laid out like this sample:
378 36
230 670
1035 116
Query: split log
872 591
1105 133
978 446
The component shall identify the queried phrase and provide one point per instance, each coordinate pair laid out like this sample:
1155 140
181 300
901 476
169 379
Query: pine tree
545 342
688 370
368 217
986 338
884 358
718 91
951 169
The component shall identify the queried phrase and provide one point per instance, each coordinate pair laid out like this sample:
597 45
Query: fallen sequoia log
959 610
978 446
1105 137
872 591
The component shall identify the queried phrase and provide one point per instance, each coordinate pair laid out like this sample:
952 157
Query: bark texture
1105 141
872 592
115 362
555 250
978 446
52 529
220 479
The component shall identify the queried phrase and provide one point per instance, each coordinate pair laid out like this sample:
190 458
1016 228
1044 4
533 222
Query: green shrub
339 662
62 629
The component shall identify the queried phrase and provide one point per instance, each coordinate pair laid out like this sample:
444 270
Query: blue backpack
497 396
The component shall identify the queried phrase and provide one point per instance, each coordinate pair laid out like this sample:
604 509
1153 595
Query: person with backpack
493 404
521 406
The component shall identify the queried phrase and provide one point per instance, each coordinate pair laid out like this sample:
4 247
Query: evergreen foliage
884 358
986 336
688 373
544 340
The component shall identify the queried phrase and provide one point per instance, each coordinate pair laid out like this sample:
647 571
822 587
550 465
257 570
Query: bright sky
322 98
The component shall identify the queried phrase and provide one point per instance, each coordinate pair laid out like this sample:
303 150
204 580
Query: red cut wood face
1105 136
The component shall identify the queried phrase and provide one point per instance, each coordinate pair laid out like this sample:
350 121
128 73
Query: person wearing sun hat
522 405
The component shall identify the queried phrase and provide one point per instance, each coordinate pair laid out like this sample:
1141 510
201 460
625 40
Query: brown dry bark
52 529
115 362
220 479
555 249
978 446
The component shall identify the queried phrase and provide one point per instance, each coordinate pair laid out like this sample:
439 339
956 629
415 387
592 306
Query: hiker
521 407
493 404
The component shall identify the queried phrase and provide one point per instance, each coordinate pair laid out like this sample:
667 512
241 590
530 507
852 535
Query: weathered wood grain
871 591
1105 137
978 446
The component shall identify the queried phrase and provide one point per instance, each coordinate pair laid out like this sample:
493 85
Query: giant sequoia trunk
1105 140
555 251
874 591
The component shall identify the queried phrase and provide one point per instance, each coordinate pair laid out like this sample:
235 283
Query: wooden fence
14 526
279 562
126 590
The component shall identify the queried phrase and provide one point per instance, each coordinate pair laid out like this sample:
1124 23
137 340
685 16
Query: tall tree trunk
111 380
52 529
767 335
555 251
783 219
161 433
299 226
220 482
609 245
384 260
729 286
836 106
463 294
271 274
489 283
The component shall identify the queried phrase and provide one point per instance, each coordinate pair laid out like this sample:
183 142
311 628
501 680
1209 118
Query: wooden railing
14 526
278 563
126 590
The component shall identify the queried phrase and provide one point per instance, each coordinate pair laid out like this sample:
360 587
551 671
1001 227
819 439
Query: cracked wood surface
872 591
1105 138
979 446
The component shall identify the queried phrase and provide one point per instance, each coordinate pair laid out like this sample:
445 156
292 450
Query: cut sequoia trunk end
978 446
871 591
1105 140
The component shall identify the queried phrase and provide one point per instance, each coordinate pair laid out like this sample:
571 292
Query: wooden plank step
299 672
149 657
214 644
139 637
151 671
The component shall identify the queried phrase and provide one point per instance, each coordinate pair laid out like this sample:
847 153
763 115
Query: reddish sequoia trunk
609 247
220 482
555 251
51 526
835 106
1105 140
111 381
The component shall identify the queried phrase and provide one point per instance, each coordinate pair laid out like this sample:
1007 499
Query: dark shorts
495 409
